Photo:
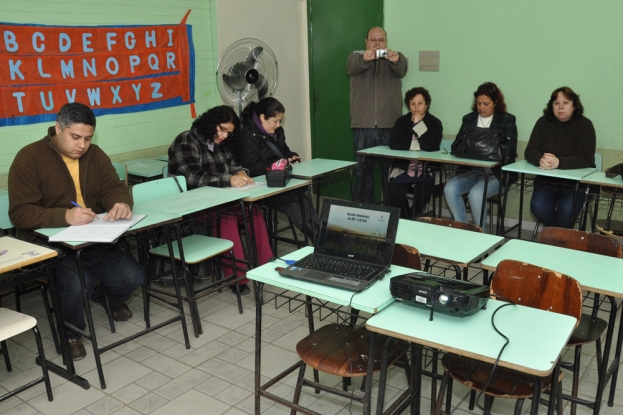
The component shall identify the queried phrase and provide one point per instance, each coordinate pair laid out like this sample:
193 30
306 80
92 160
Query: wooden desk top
451 245
311 169
145 167
522 166
597 273
435 156
529 330
18 254
263 192
371 300
599 178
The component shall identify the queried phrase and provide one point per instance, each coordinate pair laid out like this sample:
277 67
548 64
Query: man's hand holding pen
79 215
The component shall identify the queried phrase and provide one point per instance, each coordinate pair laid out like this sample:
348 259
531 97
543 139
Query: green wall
528 48
135 131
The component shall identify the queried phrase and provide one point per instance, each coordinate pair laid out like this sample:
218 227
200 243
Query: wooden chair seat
589 330
506 383
343 350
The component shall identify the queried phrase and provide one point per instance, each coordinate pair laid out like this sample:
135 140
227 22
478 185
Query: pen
78 206
4 251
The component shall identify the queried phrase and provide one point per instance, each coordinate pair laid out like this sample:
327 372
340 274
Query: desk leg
360 184
69 371
605 372
188 281
617 357
89 318
575 199
553 397
536 396
352 185
367 403
521 189
257 288
178 294
484 201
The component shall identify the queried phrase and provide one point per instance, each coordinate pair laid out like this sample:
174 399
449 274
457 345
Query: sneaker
244 289
76 348
123 314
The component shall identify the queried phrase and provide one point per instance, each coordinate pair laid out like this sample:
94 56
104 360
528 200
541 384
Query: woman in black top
563 139
262 143
416 130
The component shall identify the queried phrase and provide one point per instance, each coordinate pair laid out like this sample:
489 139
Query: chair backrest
533 286
165 171
450 223
599 161
122 171
5 222
407 256
156 189
581 241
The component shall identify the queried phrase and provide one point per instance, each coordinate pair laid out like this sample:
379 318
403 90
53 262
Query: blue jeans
119 272
366 138
552 203
473 182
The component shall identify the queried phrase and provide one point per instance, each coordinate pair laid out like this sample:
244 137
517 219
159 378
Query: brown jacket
41 188
375 90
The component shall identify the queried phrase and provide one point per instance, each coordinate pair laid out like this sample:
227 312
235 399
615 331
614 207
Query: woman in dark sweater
262 143
416 130
561 139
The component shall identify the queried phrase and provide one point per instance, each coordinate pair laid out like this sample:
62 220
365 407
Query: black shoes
244 289
123 314
76 348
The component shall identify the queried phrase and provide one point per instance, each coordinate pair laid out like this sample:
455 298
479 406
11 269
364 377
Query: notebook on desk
354 247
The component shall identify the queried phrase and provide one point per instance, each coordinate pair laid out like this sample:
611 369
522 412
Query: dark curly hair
410 94
494 93
206 123
569 94
269 107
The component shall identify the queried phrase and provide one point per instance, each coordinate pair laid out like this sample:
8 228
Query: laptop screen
358 231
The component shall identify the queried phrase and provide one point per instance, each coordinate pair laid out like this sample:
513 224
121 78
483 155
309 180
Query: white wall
282 25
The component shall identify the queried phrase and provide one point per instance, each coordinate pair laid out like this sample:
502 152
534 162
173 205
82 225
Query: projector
445 295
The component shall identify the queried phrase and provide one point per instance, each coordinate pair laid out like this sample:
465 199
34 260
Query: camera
381 53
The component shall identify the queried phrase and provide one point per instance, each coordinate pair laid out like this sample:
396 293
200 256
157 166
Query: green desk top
599 178
372 300
192 201
163 157
263 192
436 156
145 167
153 219
597 273
522 166
529 330
317 167
451 245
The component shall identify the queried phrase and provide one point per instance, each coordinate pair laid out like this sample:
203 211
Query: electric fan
246 72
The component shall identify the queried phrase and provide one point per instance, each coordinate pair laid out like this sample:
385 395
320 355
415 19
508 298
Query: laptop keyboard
336 266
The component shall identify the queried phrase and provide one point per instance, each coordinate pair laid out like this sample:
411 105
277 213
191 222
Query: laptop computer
354 247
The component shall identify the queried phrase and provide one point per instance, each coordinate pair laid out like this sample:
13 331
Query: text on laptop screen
357 232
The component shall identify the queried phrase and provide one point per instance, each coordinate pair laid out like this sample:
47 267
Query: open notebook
97 231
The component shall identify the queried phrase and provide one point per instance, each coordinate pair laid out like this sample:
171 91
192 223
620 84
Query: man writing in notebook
65 180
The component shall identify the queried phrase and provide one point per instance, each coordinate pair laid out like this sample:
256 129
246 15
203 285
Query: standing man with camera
375 101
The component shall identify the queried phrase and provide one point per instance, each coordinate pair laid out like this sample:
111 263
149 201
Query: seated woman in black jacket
417 130
262 143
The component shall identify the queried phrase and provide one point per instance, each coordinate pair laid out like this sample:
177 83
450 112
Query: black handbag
482 144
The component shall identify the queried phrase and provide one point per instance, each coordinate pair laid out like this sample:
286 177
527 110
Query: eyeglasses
223 130
380 40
